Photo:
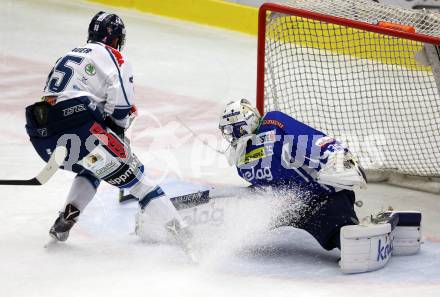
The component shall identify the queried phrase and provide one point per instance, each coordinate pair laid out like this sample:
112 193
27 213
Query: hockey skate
61 228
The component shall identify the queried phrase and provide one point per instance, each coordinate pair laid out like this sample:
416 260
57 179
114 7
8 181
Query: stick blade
55 161
48 171
17 182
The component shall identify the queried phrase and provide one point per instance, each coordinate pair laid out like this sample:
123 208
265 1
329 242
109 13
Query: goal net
349 69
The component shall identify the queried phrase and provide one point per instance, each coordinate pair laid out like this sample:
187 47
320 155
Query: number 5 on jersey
57 84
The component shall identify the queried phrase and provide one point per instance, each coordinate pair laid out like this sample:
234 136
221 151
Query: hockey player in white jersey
88 103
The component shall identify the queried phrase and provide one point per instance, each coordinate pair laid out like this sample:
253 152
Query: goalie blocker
370 247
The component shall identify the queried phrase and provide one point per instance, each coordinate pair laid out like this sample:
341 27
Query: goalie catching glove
342 171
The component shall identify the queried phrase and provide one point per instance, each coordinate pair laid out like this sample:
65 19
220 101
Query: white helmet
238 119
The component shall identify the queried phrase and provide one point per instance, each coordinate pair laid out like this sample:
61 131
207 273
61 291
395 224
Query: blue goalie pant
79 126
322 217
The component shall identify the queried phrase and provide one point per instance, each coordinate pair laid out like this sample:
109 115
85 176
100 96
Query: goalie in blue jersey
280 152
315 175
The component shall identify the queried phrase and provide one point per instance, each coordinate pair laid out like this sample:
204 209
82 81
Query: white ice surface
181 70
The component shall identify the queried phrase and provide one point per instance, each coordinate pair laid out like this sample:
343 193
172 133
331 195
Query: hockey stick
204 141
180 202
201 197
48 171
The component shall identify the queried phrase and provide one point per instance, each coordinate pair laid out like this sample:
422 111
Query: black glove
118 130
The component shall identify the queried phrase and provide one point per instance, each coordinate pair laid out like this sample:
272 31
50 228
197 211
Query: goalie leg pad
408 233
365 248
369 247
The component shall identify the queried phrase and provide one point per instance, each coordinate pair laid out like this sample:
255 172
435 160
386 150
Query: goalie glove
342 171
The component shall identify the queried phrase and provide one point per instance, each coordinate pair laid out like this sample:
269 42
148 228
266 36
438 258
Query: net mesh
365 88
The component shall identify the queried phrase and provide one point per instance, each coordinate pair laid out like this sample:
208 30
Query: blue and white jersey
97 71
286 153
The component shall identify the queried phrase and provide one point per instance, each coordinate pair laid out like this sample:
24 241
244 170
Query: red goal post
298 39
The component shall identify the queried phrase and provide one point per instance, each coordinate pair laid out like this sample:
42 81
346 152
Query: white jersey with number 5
97 71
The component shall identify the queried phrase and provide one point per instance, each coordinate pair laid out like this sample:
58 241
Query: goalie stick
48 171
201 197
180 202
204 141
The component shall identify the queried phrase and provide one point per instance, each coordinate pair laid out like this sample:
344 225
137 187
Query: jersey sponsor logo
90 69
127 176
323 141
266 137
102 170
74 109
92 159
259 174
82 50
109 140
274 123
101 165
384 251
107 169
253 155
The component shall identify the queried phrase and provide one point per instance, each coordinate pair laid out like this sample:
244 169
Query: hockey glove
342 171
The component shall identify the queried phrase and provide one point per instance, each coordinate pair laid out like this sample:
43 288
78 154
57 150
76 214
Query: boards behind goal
354 69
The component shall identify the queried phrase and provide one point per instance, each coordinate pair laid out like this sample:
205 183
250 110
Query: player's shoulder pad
274 118
288 124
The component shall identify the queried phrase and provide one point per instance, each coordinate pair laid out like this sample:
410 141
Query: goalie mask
238 119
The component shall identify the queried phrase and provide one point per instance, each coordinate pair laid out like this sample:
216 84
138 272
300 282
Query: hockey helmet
238 119
105 27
